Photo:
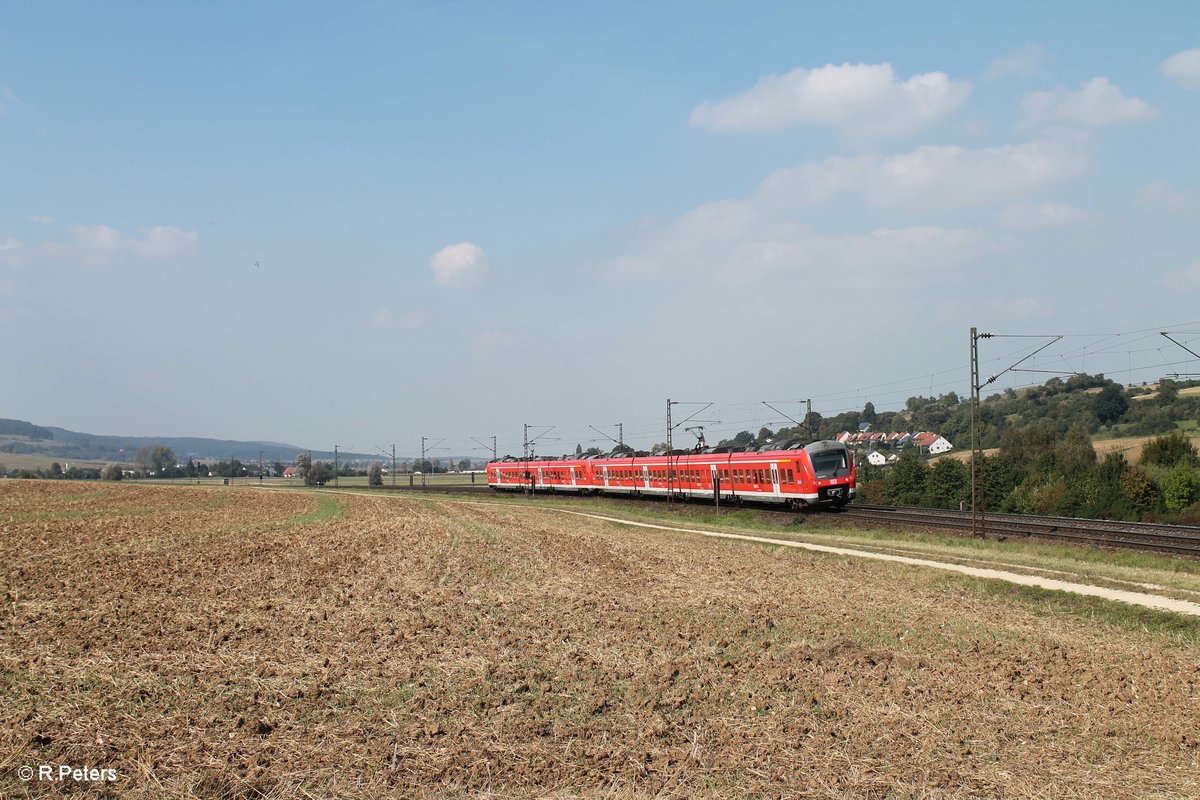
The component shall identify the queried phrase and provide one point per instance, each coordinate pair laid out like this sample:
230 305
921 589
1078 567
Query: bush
111 472
375 474
1181 487
1140 490
1169 450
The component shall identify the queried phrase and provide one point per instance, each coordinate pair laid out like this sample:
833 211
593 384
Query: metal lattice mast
977 480
670 465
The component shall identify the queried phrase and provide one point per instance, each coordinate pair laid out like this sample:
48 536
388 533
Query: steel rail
1180 539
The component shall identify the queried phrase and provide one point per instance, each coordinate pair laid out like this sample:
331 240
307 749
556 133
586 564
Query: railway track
1176 539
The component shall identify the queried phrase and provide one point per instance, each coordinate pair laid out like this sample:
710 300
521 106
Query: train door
716 482
541 479
572 476
605 470
646 477
775 479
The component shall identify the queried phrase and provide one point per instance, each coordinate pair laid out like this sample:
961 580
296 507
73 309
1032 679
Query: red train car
814 475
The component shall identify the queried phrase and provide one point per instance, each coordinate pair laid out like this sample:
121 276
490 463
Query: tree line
1040 471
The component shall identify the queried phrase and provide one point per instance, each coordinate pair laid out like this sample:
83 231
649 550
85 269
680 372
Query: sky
364 223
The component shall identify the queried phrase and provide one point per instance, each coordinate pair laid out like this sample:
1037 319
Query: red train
813 475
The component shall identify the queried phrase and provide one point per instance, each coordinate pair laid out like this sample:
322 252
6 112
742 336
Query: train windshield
831 463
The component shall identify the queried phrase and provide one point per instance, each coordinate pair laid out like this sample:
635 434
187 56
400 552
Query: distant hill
18 436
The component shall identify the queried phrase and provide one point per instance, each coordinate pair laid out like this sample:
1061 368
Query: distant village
926 442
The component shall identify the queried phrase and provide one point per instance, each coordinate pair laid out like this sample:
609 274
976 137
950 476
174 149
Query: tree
111 472
1075 454
1025 446
156 459
1110 404
1168 392
304 464
56 470
318 474
375 474
906 484
868 413
465 464
947 484
277 468
578 450
1181 487
1169 450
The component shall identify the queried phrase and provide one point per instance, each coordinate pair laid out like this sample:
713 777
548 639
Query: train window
828 463
791 476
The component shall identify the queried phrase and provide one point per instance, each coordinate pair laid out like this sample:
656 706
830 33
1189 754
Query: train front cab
833 473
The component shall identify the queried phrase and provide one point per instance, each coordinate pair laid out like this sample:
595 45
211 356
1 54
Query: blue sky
470 216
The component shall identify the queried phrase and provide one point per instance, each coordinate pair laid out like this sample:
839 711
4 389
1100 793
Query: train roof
779 449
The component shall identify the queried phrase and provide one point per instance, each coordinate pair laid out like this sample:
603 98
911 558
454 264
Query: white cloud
39 219
1028 61
934 177
1184 68
1160 194
100 244
462 264
761 242
736 247
1097 102
861 100
1027 216
96 245
1184 279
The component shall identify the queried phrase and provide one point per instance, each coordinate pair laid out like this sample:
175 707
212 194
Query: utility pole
978 474
808 418
260 466
434 446
977 518
485 447
620 433
670 440
393 465
528 454
336 481
670 467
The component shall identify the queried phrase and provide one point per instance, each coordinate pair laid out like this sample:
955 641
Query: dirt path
1144 599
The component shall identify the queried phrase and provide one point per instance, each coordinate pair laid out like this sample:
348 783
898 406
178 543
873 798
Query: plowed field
216 642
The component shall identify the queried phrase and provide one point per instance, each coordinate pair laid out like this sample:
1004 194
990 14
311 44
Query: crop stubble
206 642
